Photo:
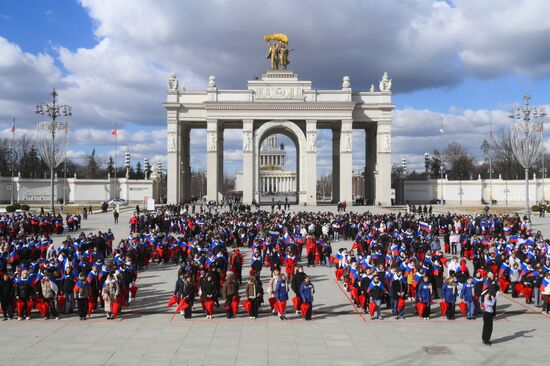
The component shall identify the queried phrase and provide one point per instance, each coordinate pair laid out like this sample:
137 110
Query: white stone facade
470 192
279 103
31 190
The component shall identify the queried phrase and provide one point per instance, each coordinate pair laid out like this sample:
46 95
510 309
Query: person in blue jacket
306 293
450 290
424 295
281 293
467 293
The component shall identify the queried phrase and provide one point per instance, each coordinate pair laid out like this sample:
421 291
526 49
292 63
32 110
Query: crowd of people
395 259
452 260
81 273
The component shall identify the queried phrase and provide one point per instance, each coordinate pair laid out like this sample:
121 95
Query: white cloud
422 43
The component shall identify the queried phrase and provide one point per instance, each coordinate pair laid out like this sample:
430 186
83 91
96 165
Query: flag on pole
13 126
114 132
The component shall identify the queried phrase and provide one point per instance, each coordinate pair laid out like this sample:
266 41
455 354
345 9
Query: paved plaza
150 334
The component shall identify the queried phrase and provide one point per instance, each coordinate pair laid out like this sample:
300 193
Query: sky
462 64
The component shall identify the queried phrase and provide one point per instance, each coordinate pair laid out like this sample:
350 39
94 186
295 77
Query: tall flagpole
441 158
12 160
543 155
116 147
491 162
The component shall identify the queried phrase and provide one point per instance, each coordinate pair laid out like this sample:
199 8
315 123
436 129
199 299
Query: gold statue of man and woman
278 51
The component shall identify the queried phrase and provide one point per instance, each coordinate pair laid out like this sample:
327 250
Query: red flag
182 306
420 307
115 308
133 291
209 305
296 301
400 304
519 288
463 308
443 306
503 284
272 301
339 272
173 300
304 307
247 305
90 306
281 307
20 305
235 304
42 307
61 301
362 300
114 132
372 308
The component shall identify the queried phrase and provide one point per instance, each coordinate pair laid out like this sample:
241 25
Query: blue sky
459 62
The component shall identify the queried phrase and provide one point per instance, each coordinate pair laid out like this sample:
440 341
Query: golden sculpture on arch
278 52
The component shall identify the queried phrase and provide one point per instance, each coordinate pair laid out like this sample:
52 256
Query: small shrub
25 207
10 208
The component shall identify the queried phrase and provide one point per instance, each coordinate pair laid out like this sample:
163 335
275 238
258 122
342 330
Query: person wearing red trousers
311 249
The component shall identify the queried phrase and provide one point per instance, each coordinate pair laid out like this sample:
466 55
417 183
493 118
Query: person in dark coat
297 281
7 295
399 291
23 293
208 290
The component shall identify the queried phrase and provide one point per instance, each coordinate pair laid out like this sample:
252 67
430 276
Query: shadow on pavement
521 333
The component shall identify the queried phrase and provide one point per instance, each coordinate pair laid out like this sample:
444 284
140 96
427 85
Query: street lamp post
526 140
52 151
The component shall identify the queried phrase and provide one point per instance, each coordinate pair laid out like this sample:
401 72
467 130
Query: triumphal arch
278 102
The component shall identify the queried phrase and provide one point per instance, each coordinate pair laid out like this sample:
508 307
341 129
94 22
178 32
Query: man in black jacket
297 280
23 293
399 291
7 294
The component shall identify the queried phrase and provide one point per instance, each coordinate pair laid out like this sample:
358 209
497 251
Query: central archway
297 136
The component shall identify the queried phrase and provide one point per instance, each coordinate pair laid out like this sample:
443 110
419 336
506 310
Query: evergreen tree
92 169
139 172
111 166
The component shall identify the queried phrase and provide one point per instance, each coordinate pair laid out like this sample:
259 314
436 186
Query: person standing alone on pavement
488 316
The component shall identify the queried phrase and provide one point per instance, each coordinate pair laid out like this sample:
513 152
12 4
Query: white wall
471 191
77 190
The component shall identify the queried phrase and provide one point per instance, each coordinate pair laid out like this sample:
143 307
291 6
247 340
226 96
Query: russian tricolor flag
14 256
545 283
514 238
507 230
424 226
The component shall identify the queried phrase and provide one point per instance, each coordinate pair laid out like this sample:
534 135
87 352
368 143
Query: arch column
185 165
213 160
173 159
383 161
248 161
310 195
345 164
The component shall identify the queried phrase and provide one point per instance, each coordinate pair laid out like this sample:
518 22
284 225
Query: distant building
273 177
358 184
